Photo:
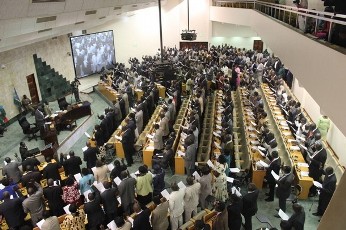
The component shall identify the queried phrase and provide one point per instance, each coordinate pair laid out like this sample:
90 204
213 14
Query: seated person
26 103
164 158
9 187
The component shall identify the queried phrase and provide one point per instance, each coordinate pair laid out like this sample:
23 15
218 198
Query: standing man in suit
142 219
297 220
90 155
234 210
221 221
109 201
326 192
158 140
283 190
206 181
29 176
72 164
316 164
191 197
51 170
250 205
274 165
159 215
128 141
127 192
53 194
93 209
34 203
12 210
190 157
39 120
139 119
11 170
176 206
164 125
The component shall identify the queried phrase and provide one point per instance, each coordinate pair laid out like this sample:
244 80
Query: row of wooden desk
300 167
178 142
250 134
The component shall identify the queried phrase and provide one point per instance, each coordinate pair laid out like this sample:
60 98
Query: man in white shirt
176 206
191 197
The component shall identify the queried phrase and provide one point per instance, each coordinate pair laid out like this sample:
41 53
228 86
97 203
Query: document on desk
294 148
196 175
304 174
112 226
216 134
276 176
119 138
117 181
261 148
283 215
303 147
181 153
78 176
254 142
262 153
217 145
262 163
150 147
181 185
165 194
150 136
317 184
300 164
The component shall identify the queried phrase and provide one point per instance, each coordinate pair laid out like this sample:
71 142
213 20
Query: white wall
19 63
335 137
138 35
236 35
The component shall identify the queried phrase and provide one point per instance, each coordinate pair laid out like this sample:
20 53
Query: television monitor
92 53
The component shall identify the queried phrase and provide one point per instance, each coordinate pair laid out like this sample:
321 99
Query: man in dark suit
234 210
90 156
109 201
51 170
72 164
316 163
297 220
283 190
190 158
221 221
250 205
326 192
53 194
30 160
127 192
30 174
128 141
39 120
12 210
273 166
93 209
141 221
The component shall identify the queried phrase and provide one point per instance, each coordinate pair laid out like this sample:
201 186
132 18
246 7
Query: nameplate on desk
305 165
304 174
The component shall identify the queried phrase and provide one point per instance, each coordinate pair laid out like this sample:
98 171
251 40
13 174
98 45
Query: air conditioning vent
45 30
117 8
81 22
46 19
45 1
102 17
89 12
84 32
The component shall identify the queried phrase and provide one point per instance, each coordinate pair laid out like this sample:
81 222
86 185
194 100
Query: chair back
23 122
62 103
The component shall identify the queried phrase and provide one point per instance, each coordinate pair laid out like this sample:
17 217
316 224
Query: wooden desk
107 91
162 90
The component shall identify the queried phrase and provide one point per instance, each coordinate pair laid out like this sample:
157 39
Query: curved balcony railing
323 26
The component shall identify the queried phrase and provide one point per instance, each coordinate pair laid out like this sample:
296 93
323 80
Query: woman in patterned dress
220 183
75 220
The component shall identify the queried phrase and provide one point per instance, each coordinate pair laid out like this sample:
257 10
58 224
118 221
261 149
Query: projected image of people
92 53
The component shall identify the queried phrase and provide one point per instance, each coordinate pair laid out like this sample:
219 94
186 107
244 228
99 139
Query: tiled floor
9 144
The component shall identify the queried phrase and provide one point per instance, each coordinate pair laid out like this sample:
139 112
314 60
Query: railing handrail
321 15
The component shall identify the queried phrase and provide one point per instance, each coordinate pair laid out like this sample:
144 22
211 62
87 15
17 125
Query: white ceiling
18 18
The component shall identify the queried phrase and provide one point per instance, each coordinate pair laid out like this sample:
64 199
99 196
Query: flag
16 99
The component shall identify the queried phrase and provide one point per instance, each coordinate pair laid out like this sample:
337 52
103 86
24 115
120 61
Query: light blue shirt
84 183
